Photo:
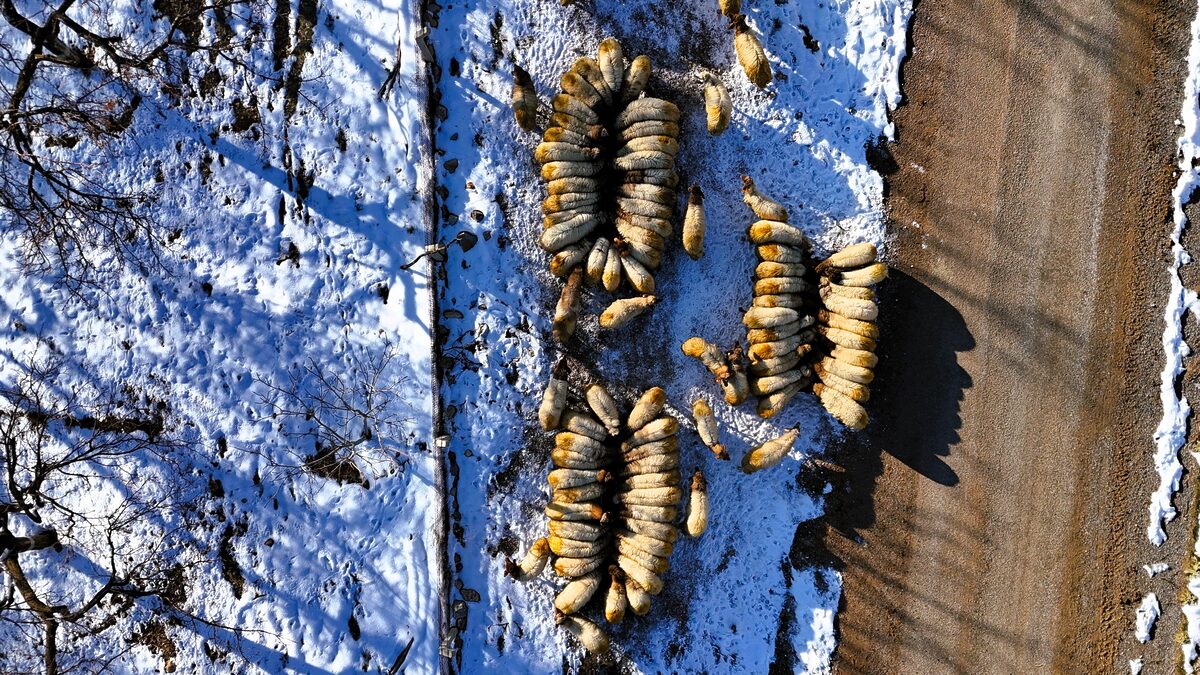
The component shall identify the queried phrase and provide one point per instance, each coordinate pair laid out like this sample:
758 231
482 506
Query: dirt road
994 516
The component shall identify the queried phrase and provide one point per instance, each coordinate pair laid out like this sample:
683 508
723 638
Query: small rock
467 240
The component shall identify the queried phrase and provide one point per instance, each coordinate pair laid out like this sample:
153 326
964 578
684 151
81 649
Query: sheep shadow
920 382
916 403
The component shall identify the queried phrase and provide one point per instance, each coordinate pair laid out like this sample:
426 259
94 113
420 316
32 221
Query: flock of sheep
617 488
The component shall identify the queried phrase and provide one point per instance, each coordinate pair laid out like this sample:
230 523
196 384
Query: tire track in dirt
993 517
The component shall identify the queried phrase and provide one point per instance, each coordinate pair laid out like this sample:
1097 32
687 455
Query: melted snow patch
1155 569
1147 614
1191 611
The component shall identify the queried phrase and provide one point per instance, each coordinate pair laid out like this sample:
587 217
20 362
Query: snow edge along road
1171 434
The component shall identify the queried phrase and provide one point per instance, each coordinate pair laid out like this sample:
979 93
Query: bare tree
355 419
90 483
70 86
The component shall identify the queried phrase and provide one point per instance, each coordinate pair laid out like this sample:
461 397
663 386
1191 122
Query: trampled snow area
226 319
744 596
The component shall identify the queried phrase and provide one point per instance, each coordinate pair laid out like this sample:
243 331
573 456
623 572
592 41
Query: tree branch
11 544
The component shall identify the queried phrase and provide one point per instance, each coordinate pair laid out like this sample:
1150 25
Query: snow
1135 666
1191 612
1147 614
1156 568
336 551
228 320
1172 430
734 594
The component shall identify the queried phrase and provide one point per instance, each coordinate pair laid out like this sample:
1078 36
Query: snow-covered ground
743 596
225 320
337 577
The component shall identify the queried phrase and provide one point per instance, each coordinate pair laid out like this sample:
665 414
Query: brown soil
993 517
